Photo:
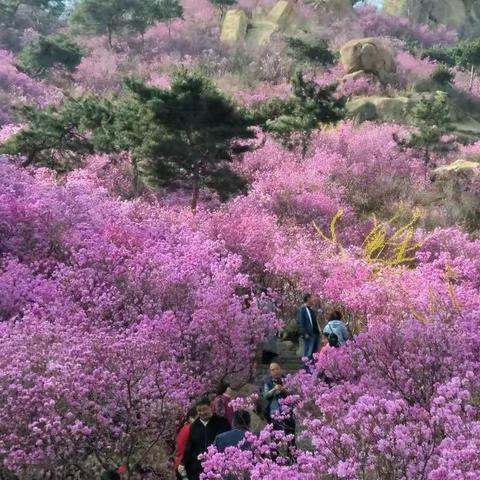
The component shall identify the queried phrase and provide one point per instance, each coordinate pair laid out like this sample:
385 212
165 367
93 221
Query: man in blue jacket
308 326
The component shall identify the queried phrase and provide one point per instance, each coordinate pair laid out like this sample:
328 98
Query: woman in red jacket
182 439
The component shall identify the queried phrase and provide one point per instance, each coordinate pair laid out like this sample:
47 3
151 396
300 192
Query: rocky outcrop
368 55
281 14
261 25
378 108
459 14
459 166
234 26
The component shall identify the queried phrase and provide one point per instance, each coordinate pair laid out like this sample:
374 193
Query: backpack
333 338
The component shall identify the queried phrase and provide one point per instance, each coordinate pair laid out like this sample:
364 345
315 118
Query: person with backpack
336 328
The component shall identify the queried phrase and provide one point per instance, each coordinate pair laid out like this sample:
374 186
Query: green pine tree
431 117
46 52
187 135
182 137
313 54
293 120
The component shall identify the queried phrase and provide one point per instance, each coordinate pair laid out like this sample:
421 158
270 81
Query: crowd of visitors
214 422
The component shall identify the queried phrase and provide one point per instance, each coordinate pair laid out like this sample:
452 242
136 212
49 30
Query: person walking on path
181 442
336 326
241 425
308 326
274 390
203 432
221 404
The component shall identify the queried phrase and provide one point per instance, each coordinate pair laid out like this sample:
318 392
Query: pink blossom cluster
464 81
359 86
17 88
262 92
378 24
411 68
9 130
115 314
399 403
101 71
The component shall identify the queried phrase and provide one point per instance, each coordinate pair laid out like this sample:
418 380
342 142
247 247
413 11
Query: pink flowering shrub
17 88
366 166
463 81
128 302
396 401
360 86
100 71
261 93
7 131
411 68
377 24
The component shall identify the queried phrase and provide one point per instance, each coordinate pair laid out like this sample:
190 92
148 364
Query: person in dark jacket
308 326
202 434
241 425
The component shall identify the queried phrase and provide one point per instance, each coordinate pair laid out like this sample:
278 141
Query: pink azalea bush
103 282
411 68
118 306
100 72
378 24
463 81
397 401
360 86
17 88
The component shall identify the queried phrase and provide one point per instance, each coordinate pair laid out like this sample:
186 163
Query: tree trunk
472 76
109 34
136 178
427 160
195 194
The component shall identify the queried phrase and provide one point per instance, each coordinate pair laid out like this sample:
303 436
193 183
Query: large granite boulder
234 26
460 14
281 14
262 32
280 18
378 108
460 165
369 55
262 23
